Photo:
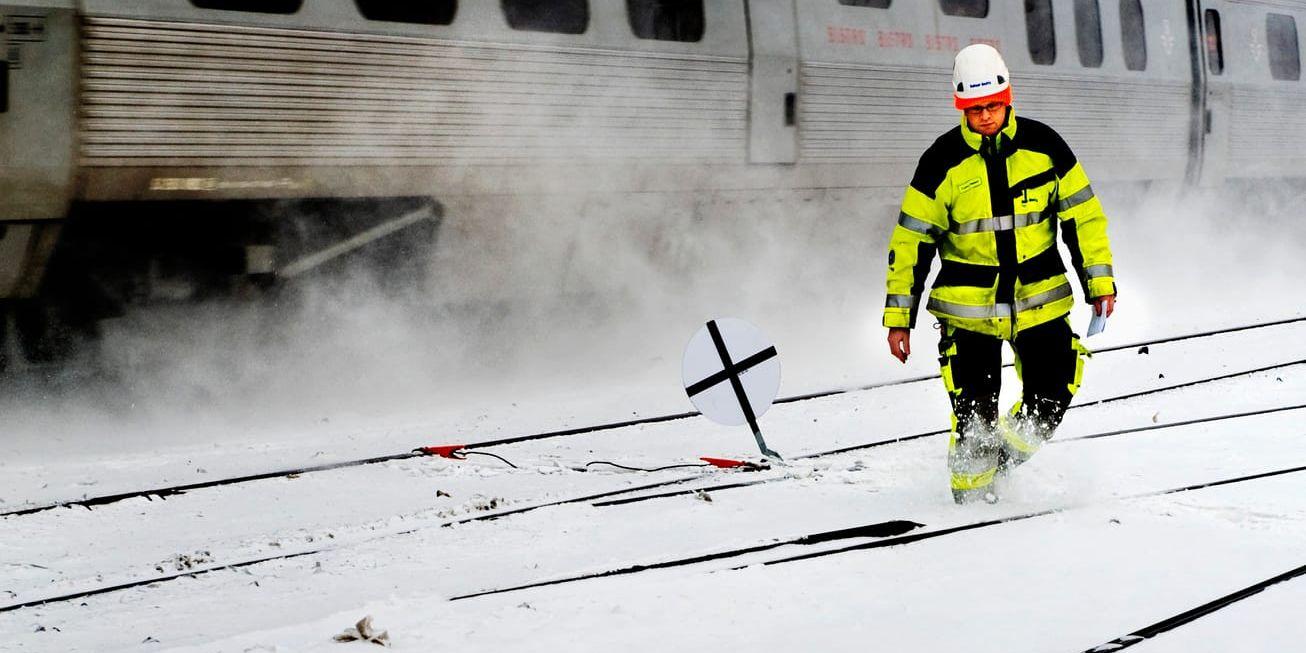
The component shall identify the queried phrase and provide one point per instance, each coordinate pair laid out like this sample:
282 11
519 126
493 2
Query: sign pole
723 409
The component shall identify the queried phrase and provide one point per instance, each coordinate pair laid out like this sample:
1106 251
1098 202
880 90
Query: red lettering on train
845 35
890 39
996 43
942 42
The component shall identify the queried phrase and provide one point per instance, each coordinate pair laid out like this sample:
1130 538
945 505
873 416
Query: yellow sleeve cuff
897 318
1100 286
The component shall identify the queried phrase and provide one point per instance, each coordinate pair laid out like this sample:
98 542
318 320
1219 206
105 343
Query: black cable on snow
641 469
839 534
492 455
1184 618
165 492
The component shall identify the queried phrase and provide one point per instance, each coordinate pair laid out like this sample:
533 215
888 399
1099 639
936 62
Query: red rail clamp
451 451
727 463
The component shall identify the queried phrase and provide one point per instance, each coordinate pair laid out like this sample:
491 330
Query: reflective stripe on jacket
991 208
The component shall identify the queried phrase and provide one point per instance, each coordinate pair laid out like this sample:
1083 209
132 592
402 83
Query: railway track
174 490
1188 616
863 531
894 532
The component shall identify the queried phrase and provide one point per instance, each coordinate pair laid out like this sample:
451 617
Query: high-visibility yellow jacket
991 208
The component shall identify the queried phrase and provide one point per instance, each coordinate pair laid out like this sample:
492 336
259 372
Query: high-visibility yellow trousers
983 442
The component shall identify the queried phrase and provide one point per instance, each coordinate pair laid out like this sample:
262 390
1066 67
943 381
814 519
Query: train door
36 137
1212 94
773 90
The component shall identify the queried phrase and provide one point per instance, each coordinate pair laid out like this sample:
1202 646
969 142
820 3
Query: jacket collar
974 139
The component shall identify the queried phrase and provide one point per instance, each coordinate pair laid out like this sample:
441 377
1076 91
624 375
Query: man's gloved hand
1105 303
900 343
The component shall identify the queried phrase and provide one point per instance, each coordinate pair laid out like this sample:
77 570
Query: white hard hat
980 76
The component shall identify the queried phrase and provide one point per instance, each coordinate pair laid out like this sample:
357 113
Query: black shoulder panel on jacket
1038 137
947 151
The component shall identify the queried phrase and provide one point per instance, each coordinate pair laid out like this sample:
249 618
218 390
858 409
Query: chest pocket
1032 198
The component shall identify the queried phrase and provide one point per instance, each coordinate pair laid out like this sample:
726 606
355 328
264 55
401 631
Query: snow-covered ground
1090 542
1113 558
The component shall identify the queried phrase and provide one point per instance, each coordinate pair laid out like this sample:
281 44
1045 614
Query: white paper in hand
1096 325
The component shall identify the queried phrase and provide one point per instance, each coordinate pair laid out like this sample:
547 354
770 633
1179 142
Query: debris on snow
1144 350
184 561
483 504
703 496
363 632
442 493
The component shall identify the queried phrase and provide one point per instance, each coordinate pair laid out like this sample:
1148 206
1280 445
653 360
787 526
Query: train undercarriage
107 258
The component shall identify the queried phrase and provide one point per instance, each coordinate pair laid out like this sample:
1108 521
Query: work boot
973 462
1021 437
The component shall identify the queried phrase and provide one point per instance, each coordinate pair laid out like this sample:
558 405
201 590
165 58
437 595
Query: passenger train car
140 138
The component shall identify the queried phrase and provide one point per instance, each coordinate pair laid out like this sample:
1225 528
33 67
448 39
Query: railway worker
989 197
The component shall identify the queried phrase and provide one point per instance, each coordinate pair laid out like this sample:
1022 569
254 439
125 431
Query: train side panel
875 85
1124 124
1262 57
37 47
185 102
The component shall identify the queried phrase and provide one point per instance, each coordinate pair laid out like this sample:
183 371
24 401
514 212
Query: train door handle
1208 121
791 109
4 86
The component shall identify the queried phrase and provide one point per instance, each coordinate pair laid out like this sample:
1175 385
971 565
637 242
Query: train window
1214 44
260 6
1039 29
877 4
1281 40
1133 34
1088 33
563 16
666 20
967 8
428 12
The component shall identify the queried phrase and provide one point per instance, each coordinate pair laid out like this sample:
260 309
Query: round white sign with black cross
732 374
